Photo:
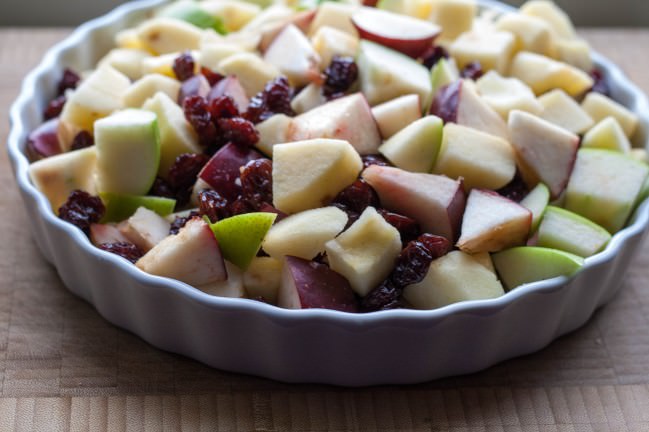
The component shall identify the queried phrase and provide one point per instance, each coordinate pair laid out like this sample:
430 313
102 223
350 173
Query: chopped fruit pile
344 156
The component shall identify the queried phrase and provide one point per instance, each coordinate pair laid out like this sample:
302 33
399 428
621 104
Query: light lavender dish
315 345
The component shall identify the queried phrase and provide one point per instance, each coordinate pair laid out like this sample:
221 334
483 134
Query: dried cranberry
124 249
384 297
374 159
211 76
433 55
54 108
257 181
184 66
82 140
408 228
438 246
357 197
472 70
241 205
600 85
162 188
274 99
185 169
341 73
212 205
180 222
198 115
82 209
223 107
516 190
69 80
238 131
413 261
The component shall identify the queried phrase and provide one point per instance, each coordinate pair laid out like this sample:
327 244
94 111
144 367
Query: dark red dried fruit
357 197
82 209
183 174
54 108
472 71
413 262
69 80
184 66
340 75
433 55
274 99
600 85
238 131
257 181
82 140
198 115
124 249
408 228
242 205
162 188
213 205
180 222
223 107
516 190
384 297
211 76
375 159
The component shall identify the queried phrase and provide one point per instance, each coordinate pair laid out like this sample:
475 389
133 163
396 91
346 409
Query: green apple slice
120 207
443 73
607 134
240 236
526 264
536 201
415 147
190 12
567 231
128 152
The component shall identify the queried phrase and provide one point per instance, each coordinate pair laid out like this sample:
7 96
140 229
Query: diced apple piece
453 278
493 49
235 14
329 42
545 152
126 61
105 233
527 264
364 254
192 256
348 118
385 74
273 130
263 278
443 73
543 74
567 231
268 32
405 34
460 103
483 160
492 223
336 15
230 86
304 234
43 141
575 52
253 72
176 134
562 110
97 96
163 64
222 171
147 87
394 115
292 54
604 186
532 33
308 98
607 134
599 107
232 287
308 285
415 147
537 201
128 39
163 35
197 85
120 207
212 54
435 202
308 174
454 17
549 12
507 94
128 152
194 14
146 228
57 176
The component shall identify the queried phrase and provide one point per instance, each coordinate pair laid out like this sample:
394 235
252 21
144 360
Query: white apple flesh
146 229
567 231
415 147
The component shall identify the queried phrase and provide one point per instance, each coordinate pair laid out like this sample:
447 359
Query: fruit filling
344 156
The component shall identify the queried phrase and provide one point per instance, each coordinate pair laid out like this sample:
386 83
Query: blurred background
620 13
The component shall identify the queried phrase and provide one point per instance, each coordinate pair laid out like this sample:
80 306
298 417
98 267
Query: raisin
180 222
213 205
433 55
238 131
69 80
472 70
274 99
82 209
54 108
184 66
257 181
516 190
185 170
211 76
82 140
223 107
162 188
414 260
241 205
600 85
124 249
384 297
357 197
375 159
340 75
408 228
197 113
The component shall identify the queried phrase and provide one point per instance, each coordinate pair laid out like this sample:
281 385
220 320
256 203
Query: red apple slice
230 86
405 34
222 171
44 140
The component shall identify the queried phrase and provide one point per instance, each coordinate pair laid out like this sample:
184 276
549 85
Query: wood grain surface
62 367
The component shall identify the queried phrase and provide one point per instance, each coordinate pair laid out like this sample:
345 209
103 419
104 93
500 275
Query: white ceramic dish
393 347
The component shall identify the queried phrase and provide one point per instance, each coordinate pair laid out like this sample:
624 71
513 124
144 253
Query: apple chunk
537 201
543 74
221 172
192 256
567 231
599 107
492 223
232 287
453 278
308 174
564 111
507 94
394 115
307 284
607 134
493 49
146 228
365 252
415 147
292 53
263 278
435 202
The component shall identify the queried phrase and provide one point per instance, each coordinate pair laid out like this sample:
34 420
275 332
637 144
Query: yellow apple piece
575 52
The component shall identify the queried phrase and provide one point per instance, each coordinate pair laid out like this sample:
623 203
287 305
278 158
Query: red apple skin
222 171
268 208
44 140
300 20
194 86
446 102
370 3
106 233
308 285
410 47
230 86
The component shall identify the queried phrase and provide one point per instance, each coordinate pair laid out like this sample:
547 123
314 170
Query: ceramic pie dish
317 346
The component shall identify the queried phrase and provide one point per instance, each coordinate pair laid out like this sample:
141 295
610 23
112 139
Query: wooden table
62 367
